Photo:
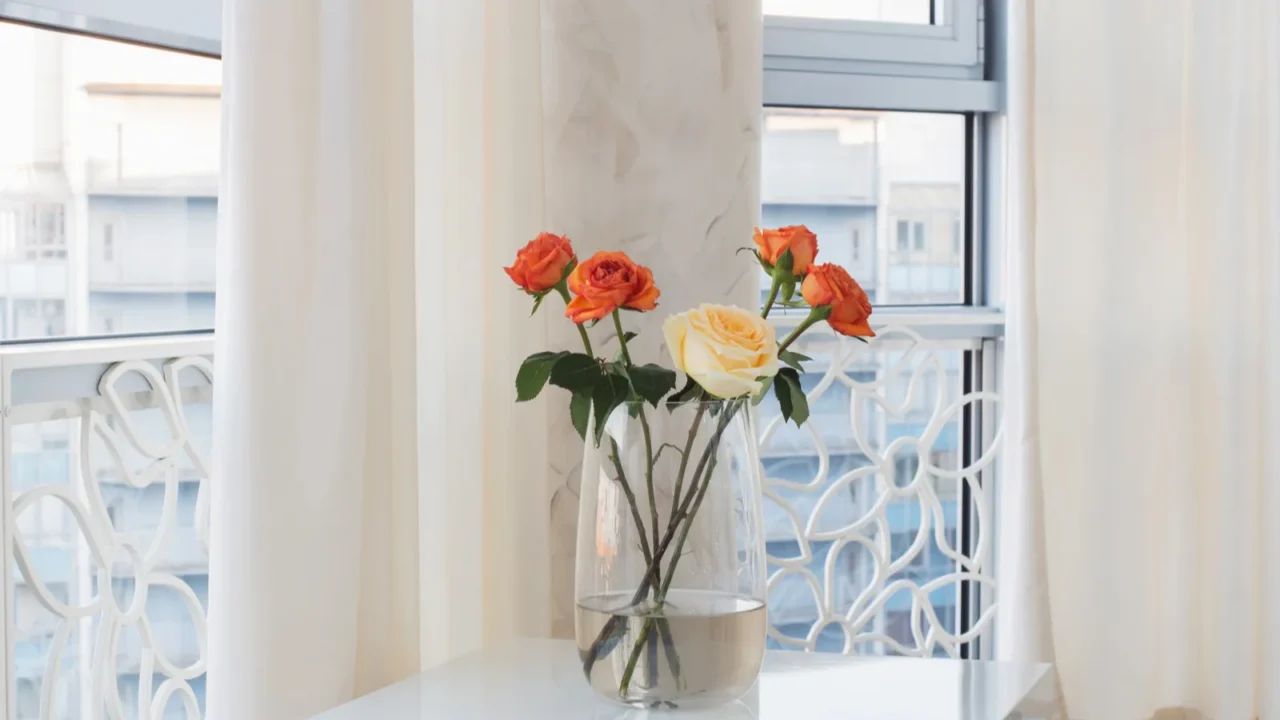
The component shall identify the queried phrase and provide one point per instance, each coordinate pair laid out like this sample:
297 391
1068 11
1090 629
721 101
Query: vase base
697 649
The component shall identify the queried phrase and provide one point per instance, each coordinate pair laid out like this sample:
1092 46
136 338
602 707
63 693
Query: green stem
773 295
684 459
816 316
727 415
631 501
582 331
669 649
624 683
648 474
684 533
622 337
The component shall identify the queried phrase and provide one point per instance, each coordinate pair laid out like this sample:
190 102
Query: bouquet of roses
725 352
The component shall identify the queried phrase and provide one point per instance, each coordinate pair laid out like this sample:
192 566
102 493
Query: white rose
726 350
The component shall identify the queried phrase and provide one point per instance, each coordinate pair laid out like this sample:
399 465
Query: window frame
954 43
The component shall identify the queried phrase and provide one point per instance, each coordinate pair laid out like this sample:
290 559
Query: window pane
108 186
894 179
903 11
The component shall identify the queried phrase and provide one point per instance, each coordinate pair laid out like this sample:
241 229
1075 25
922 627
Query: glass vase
670 575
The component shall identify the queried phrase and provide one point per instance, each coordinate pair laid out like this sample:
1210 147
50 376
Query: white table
542 679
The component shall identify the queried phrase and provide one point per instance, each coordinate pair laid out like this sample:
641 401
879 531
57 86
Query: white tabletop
543 679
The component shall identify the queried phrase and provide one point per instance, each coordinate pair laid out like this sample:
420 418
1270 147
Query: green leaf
688 392
652 382
800 411
580 412
765 384
793 359
760 259
534 372
537 301
790 394
576 372
788 289
783 394
786 262
610 391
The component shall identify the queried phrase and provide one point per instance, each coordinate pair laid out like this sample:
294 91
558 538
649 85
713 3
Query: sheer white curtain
381 160
1154 347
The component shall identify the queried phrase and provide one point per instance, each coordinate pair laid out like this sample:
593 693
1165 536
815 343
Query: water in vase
697 649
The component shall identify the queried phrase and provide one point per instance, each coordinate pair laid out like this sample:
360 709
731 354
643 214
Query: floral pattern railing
867 506
110 593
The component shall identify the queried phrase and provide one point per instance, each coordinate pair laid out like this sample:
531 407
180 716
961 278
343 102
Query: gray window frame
193 26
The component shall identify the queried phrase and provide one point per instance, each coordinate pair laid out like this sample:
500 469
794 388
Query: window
912 235
137 147
109 241
875 126
31 229
39 318
109 158
47 239
840 171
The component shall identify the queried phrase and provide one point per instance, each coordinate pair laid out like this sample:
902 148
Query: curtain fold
1155 339
372 478
478 158
1024 630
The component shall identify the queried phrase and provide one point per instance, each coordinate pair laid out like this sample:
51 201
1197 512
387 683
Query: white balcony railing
105 476
878 512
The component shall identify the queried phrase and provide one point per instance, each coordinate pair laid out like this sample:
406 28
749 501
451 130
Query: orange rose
829 284
608 281
540 264
802 243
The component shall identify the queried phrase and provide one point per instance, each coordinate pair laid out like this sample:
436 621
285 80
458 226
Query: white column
651 146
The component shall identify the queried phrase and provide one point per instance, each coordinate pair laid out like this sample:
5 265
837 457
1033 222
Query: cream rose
726 350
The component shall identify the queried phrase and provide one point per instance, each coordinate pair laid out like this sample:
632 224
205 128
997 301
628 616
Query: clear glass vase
670 577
